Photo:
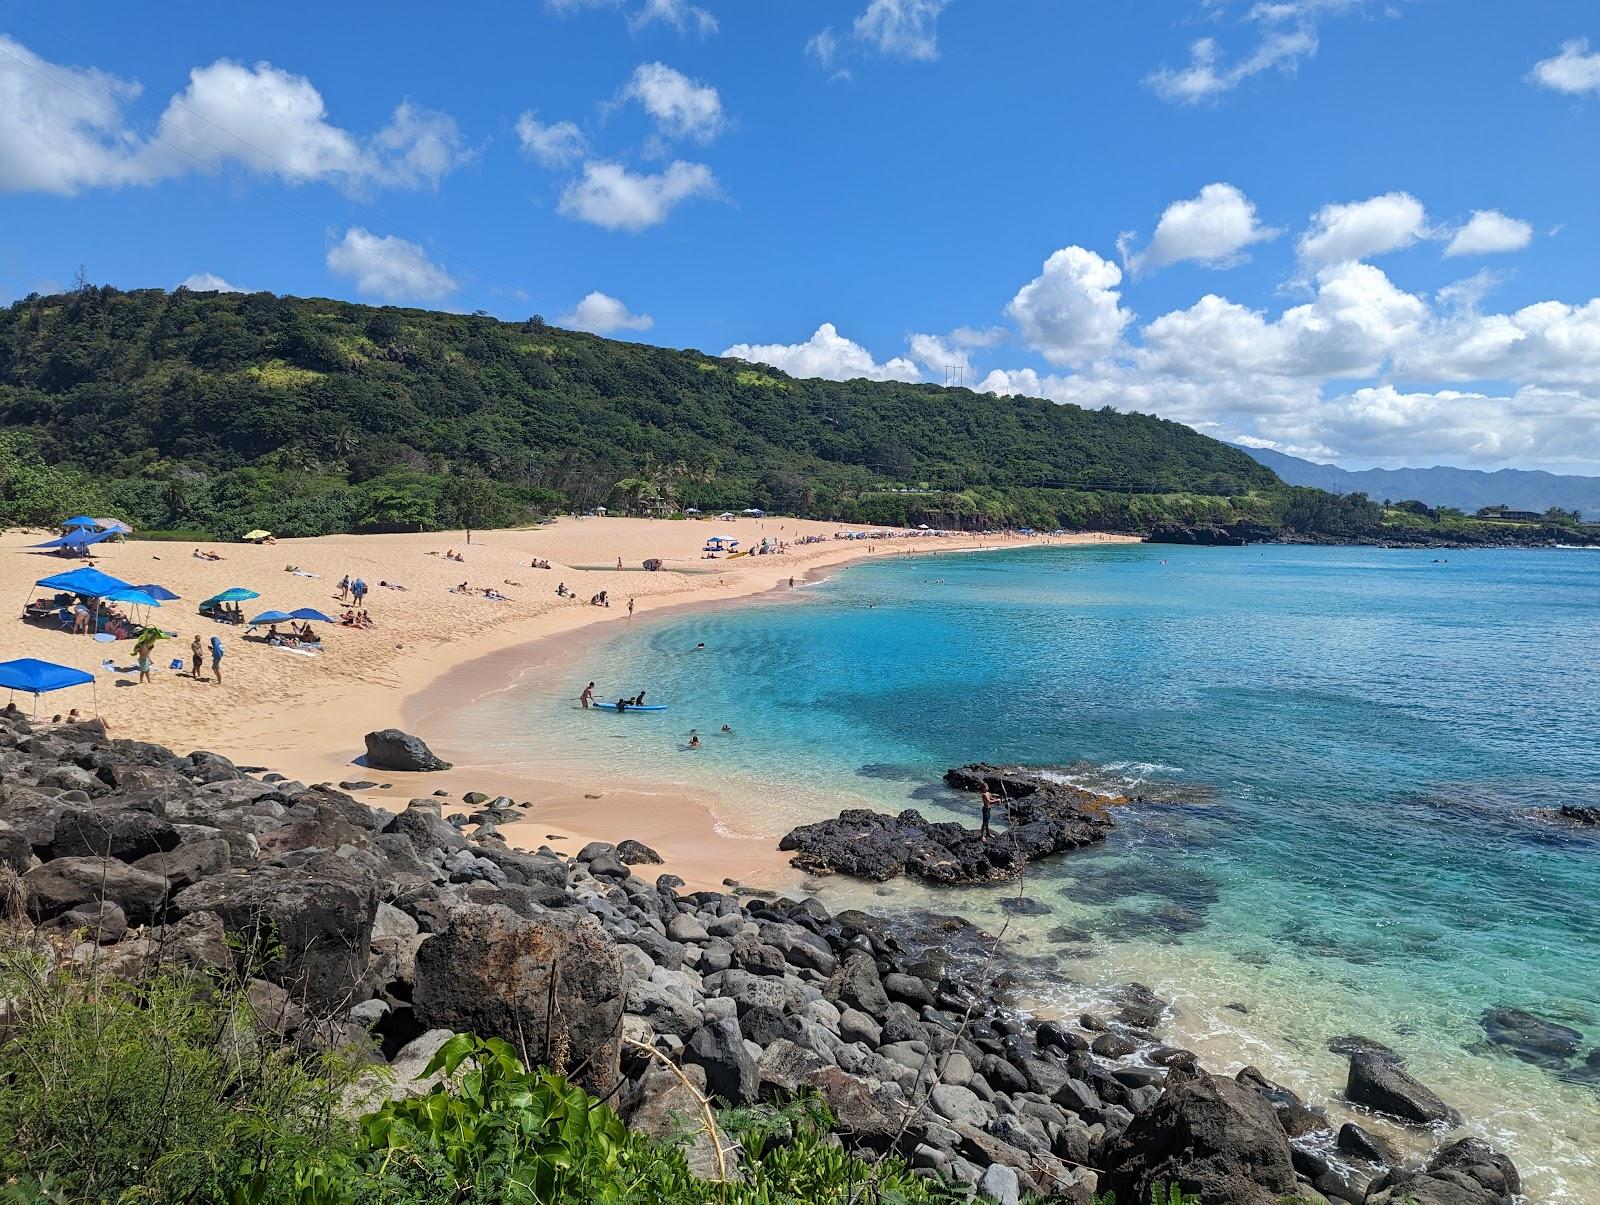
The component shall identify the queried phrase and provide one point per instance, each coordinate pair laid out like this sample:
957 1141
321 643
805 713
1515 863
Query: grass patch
276 374
759 380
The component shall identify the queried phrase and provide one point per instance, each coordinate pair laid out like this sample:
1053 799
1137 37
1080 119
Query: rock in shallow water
1386 1087
1532 1039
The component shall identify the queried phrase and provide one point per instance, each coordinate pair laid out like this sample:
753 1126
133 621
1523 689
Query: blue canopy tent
38 677
77 538
309 613
155 591
87 581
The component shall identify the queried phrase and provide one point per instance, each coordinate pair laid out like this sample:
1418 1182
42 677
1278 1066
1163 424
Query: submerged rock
1532 1039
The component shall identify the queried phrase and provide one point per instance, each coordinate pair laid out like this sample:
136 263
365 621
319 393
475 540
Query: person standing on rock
587 696
988 807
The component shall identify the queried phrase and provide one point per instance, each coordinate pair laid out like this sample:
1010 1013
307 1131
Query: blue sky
1364 232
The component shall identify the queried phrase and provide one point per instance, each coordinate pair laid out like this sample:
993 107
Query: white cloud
902 29
61 128
208 282
680 106
823 46
1362 229
1490 232
1071 312
1207 76
555 145
681 15
600 314
388 267
276 123
826 354
1212 228
1575 70
611 196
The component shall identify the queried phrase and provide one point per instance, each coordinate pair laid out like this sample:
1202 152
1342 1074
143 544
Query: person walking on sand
630 608
196 656
144 663
587 697
216 659
619 562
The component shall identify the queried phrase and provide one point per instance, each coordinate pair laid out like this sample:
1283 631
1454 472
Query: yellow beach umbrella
258 534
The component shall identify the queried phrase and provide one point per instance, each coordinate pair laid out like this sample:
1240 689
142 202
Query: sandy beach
430 648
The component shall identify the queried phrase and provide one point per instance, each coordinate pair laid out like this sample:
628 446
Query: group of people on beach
353 590
356 619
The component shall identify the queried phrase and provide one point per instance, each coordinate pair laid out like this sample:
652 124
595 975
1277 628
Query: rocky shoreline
357 925
1236 535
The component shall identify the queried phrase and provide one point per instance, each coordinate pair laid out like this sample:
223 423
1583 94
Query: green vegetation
230 411
173 1089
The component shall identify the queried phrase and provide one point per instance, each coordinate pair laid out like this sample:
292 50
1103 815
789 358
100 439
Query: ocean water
1341 753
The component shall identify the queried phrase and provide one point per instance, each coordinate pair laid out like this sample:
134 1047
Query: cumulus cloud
555 145
208 282
1490 232
276 123
388 267
903 29
1363 229
1071 312
681 107
62 130
609 195
1212 228
600 314
1575 70
827 354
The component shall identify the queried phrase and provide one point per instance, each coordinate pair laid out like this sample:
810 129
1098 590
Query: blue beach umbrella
271 617
155 591
233 594
310 613
137 597
82 521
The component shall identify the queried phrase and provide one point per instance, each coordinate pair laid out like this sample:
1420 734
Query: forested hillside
225 411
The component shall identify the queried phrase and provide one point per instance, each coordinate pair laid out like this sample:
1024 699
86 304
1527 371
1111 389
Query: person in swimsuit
587 697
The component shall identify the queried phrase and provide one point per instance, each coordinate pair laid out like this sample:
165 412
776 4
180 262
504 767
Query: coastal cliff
390 932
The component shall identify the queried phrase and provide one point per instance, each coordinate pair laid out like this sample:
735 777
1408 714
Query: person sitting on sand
73 717
461 589
365 619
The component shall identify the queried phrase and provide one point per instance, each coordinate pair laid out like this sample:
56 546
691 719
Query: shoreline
304 717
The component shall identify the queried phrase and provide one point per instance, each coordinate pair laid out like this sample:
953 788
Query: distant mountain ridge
1469 489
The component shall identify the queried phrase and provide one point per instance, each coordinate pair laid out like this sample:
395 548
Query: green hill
222 412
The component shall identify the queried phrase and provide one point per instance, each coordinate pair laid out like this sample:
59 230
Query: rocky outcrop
1036 818
1469 1172
391 749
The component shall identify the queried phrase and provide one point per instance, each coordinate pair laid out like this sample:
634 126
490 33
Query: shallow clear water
1342 748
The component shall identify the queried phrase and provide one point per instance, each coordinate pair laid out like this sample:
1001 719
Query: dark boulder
637 853
190 862
1386 1087
1363 1144
391 749
551 984
718 1048
423 825
93 832
1532 1039
16 854
1212 1137
66 883
856 985
306 928
1296 1117
1139 1007
1469 1172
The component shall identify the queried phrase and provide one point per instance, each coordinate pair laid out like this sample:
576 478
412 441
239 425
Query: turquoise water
1342 749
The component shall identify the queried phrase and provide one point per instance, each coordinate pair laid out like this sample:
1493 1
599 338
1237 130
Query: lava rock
1532 1039
1386 1087
391 749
